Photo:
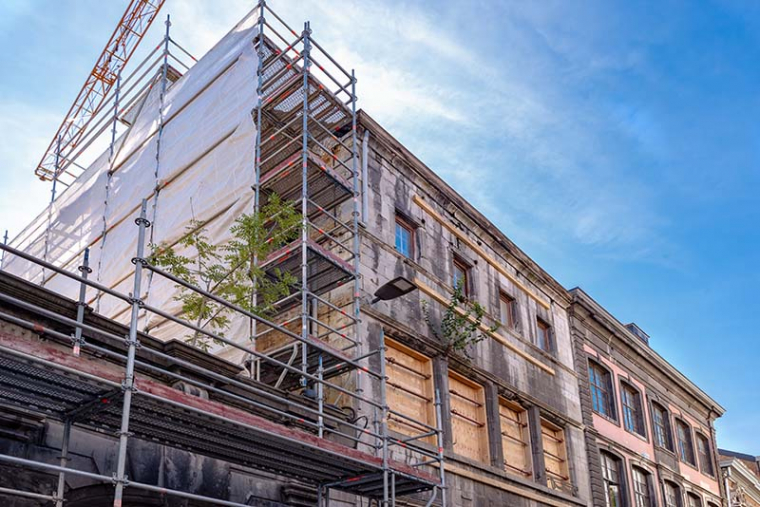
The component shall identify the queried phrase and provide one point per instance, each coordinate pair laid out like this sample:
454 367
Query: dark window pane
404 237
544 336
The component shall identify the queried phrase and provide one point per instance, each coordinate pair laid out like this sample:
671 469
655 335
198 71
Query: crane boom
120 47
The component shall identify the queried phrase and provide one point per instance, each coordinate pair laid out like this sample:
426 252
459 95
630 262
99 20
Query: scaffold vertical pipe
60 492
5 242
305 204
159 135
82 302
109 178
257 166
129 380
439 442
384 417
355 224
321 398
50 208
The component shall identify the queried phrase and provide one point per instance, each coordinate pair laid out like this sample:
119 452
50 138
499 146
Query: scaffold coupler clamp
142 221
115 479
77 344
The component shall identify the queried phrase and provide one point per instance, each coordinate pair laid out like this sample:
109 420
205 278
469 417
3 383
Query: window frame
466 268
549 349
481 431
401 221
680 422
605 458
677 492
510 303
594 364
666 427
708 455
399 425
524 430
690 495
626 385
563 478
638 493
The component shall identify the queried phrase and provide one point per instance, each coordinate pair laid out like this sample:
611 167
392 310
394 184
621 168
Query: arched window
642 488
600 384
685 443
672 494
705 456
661 421
613 480
633 410
693 500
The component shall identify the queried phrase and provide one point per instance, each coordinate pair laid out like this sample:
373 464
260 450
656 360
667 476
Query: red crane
120 47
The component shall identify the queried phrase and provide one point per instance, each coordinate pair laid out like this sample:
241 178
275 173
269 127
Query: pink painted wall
639 447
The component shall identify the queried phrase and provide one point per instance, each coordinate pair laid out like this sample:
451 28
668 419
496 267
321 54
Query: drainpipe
726 475
365 183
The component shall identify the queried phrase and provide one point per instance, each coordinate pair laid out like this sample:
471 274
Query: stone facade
509 366
649 430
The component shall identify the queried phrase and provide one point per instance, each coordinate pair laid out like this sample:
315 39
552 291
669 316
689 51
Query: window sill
607 418
641 437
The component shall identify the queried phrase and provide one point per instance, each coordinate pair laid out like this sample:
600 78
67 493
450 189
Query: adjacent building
650 431
741 478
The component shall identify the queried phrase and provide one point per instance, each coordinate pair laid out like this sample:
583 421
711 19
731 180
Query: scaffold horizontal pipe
102 478
228 380
258 354
73 276
242 311
87 345
27 494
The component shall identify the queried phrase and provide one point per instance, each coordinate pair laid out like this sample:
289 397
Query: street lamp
393 289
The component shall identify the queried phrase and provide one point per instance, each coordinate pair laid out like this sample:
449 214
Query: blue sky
617 143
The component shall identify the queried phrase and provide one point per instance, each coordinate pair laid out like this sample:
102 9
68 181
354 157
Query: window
515 439
508 310
703 450
600 383
641 488
404 237
544 335
661 420
555 457
612 480
672 494
461 276
685 444
693 500
410 388
633 417
468 418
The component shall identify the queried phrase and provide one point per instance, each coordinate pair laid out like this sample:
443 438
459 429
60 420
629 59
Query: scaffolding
310 351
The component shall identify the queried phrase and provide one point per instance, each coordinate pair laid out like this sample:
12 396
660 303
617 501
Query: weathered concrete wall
395 177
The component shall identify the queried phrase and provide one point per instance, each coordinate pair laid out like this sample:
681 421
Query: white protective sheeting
203 169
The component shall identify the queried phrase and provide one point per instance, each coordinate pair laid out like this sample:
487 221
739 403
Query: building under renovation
246 292
330 379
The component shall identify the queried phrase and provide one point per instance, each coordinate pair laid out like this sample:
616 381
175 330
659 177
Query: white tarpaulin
202 165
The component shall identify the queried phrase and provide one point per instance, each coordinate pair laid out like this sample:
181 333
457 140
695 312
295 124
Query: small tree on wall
227 270
460 325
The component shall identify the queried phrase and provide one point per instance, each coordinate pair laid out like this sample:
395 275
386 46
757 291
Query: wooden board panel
468 418
515 439
555 454
410 388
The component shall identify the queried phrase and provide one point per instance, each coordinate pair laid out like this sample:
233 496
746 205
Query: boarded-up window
555 456
515 439
468 418
410 388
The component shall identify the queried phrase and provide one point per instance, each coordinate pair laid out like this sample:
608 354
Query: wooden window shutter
468 418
